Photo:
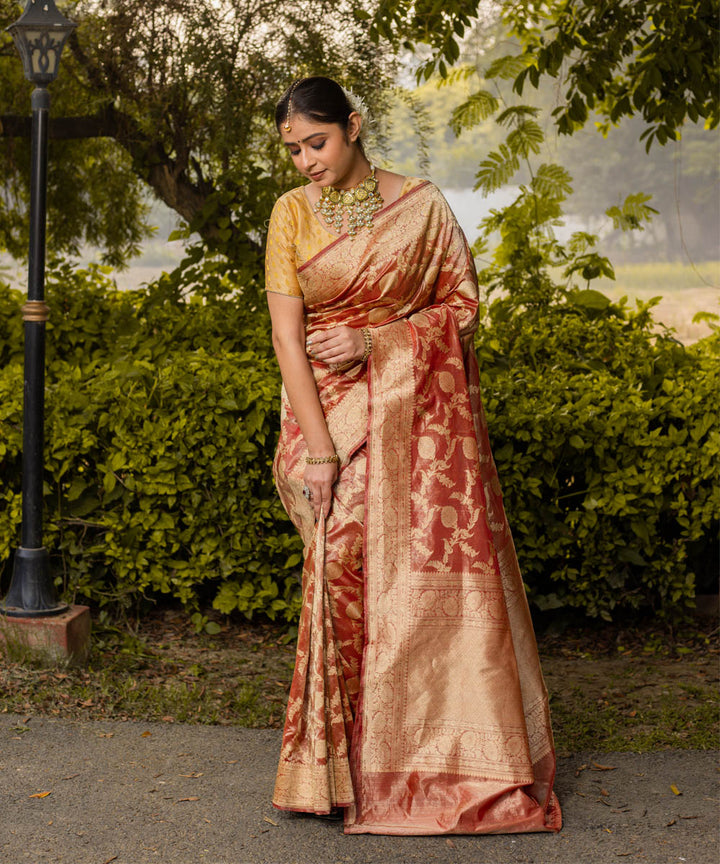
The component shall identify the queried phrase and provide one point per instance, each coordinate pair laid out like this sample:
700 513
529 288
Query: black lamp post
40 34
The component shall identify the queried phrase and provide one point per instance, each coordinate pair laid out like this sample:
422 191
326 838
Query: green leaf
509 66
526 138
472 112
517 114
632 213
497 169
552 180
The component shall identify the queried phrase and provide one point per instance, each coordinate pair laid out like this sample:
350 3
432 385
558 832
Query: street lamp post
40 34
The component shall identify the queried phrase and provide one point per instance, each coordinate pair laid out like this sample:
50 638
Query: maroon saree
417 701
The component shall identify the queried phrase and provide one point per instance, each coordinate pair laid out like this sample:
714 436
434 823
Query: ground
610 688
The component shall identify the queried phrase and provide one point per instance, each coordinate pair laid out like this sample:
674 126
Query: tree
682 178
656 58
178 95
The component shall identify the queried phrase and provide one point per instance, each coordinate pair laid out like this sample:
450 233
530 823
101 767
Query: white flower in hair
357 103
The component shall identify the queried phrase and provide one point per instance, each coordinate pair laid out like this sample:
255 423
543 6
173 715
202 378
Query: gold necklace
359 203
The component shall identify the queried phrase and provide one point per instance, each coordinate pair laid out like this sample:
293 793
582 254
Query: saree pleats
417 702
314 773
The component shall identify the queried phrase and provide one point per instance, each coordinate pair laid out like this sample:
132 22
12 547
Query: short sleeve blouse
295 235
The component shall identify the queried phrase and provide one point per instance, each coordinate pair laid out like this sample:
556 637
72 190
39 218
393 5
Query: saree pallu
417 702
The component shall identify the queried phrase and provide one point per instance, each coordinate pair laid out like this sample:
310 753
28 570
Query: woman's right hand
338 346
319 479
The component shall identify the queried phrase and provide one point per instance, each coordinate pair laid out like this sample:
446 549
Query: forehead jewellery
359 204
287 127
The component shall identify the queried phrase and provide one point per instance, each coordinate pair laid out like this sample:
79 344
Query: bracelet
322 460
368 344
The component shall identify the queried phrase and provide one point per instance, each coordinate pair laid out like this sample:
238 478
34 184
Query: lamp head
40 34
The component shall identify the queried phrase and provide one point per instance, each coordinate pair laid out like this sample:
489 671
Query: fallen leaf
105 734
675 789
604 792
40 794
450 844
596 766
114 858
191 798
194 774
671 822
689 817
146 734
71 776
168 719
580 770
268 819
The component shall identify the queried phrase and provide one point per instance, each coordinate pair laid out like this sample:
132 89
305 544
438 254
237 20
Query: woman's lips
317 175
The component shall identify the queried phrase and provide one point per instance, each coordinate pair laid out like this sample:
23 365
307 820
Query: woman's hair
317 98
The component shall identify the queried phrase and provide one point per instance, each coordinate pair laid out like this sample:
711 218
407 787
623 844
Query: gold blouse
295 235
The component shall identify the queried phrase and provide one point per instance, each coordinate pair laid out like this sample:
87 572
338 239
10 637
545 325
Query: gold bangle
321 460
368 344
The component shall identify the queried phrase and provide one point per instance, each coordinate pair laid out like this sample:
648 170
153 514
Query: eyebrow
302 141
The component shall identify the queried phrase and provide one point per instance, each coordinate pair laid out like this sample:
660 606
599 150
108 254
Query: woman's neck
360 170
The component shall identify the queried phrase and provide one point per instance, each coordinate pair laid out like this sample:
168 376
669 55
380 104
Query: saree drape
417 702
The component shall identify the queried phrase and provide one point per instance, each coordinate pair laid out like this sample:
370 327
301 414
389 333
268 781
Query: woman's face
325 153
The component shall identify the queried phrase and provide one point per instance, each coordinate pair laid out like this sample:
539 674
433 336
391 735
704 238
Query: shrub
604 427
608 478
160 436
162 411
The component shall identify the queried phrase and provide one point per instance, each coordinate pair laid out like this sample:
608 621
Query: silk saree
417 702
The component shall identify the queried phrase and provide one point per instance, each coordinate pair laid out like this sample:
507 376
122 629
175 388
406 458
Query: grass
636 690
610 689
686 721
663 277
166 672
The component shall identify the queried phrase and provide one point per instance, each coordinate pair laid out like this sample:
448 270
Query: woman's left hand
337 346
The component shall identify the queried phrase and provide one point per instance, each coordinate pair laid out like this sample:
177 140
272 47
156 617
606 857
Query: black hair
317 98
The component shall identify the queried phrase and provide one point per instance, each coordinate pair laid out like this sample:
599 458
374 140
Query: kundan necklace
359 203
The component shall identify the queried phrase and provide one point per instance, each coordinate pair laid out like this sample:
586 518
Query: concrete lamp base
63 638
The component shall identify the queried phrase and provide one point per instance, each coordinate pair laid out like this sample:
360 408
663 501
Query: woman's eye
318 146
294 152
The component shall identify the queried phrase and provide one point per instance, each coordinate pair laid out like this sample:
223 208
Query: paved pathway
143 793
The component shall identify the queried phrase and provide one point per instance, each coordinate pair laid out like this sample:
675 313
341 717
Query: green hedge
162 416
161 421
606 437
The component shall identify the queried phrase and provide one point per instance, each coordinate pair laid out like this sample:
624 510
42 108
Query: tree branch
166 176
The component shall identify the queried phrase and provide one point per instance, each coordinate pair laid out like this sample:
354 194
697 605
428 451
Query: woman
417 703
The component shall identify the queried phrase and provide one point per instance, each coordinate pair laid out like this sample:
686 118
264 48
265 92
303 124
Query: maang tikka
287 127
